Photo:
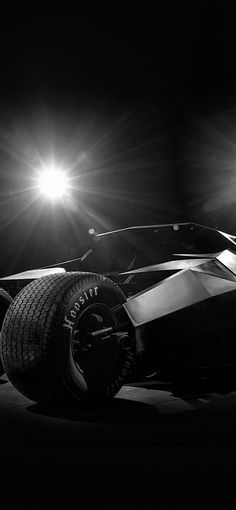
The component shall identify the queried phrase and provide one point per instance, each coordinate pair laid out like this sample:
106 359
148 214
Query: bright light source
53 182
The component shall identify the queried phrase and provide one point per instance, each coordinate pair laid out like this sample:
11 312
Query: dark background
138 104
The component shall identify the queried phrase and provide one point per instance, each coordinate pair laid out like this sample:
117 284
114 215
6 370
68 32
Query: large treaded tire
39 338
5 301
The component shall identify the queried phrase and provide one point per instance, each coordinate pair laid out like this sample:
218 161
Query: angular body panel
179 291
33 274
162 269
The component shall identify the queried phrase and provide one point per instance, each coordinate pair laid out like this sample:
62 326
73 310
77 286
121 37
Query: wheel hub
95 353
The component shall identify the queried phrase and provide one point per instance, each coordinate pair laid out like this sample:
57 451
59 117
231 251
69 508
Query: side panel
175 293
228 258
203 334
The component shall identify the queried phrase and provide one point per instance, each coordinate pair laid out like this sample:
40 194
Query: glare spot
53 182
176 227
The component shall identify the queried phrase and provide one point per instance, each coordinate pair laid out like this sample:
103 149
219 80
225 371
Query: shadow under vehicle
146 299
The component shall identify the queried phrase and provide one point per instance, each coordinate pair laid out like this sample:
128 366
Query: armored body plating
161 293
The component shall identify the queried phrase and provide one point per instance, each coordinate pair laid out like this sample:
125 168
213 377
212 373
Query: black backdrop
138 104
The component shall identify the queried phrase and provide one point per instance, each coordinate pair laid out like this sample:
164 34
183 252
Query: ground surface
153 446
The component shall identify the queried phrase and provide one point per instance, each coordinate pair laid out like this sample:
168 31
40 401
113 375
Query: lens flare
53 182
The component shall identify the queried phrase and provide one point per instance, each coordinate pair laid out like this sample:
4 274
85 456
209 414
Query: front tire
48 350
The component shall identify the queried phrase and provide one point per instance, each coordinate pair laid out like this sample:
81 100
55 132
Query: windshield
139 247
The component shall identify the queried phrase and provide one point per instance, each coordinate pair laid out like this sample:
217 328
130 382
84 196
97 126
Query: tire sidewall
98 290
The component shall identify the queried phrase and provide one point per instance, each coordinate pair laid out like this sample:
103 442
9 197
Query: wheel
49 346
5 301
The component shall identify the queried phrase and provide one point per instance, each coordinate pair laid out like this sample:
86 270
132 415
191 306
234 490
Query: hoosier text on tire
48 351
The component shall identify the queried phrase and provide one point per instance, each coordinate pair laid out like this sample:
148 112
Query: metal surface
169 266
183 289
34 274
228 258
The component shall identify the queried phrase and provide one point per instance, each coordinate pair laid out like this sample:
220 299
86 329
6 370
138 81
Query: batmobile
161 295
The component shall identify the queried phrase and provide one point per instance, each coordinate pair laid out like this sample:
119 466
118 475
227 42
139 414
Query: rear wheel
64 337
5 301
